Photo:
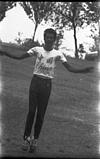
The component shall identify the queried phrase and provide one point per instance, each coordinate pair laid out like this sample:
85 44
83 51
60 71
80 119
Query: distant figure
82 52
41 84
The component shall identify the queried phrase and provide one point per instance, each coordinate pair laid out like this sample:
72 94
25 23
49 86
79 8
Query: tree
37 11
59 38
95 47
5 6
75 14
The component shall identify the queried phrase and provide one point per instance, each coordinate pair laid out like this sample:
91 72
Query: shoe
33 145
26 144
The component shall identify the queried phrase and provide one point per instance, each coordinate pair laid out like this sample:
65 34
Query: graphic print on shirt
44 65
45 61
50 60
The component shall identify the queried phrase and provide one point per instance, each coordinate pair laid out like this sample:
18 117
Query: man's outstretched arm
74 70
13 56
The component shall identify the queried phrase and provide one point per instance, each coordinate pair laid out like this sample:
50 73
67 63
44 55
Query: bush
29 43
91 57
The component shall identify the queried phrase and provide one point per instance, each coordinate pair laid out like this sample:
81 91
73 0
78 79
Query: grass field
71 122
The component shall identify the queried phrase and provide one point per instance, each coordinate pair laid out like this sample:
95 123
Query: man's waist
42 76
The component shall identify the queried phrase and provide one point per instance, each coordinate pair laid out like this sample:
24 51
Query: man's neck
48 48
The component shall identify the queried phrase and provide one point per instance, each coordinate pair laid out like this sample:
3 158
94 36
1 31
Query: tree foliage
68 15
62 14
5 6
37 11
75 14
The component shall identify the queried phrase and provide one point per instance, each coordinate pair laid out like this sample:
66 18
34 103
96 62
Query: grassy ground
71 122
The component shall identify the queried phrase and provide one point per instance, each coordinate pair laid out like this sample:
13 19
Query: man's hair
52 31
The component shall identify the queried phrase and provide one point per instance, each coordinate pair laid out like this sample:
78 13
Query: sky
16 21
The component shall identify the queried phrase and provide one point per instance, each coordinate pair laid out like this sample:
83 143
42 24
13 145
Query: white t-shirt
45 62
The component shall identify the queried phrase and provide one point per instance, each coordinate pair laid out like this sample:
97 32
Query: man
41 83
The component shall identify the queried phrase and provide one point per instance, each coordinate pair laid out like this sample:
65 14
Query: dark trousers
39 94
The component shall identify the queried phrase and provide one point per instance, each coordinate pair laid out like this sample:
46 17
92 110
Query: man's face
49 39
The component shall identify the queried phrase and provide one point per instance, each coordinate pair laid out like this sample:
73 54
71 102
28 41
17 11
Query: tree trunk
75 38
36 25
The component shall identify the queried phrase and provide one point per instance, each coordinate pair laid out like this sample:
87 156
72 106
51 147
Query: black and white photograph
50 79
